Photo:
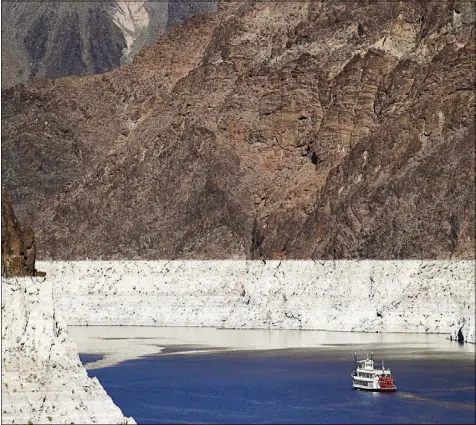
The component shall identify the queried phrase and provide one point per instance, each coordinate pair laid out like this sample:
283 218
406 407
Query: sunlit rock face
56 39
43 380
359 296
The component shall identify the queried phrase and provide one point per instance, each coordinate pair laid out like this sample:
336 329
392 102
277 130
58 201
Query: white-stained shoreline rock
43 380
368 296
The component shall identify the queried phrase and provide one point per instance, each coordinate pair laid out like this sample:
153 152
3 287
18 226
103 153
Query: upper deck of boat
367 366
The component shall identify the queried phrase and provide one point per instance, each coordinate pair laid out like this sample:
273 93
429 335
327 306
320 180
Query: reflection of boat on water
367 376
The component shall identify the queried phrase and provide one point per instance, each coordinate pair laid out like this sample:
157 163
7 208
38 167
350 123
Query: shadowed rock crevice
257 239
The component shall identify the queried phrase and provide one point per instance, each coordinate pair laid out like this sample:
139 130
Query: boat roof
374 370
367 360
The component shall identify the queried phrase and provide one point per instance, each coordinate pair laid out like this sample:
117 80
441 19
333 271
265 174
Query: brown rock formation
18 243
266 130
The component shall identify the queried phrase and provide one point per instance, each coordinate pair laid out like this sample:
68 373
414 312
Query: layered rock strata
43 380
368 296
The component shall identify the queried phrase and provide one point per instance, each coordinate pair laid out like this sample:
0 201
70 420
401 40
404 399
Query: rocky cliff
18 244
43 380
326 130
59 38
359 296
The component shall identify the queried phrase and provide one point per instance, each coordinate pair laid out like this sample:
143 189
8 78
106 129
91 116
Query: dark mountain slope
266 130
60 38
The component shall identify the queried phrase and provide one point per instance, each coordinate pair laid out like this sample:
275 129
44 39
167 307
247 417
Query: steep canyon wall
369 296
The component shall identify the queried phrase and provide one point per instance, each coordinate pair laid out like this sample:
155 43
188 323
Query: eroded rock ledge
369 296
18 243
43 380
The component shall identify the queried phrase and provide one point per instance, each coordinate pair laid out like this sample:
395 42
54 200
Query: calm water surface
436 384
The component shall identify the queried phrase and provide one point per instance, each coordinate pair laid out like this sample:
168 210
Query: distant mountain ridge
61 38
323 130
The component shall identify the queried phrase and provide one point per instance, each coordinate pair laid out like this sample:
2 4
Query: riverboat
369 376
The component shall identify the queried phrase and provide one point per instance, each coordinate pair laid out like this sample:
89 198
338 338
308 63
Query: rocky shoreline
43 380
357 296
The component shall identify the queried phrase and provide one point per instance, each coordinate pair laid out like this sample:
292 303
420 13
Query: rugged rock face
55 39
18 243
360 296
43 380
283 130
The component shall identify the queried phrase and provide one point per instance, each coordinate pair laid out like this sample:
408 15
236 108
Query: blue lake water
304 385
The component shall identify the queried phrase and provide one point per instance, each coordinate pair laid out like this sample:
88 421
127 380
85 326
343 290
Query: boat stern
387 384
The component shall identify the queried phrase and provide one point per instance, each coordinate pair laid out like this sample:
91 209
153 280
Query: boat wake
416 397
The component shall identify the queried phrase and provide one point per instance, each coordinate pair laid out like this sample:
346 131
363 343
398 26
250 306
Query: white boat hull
359 387
371 385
